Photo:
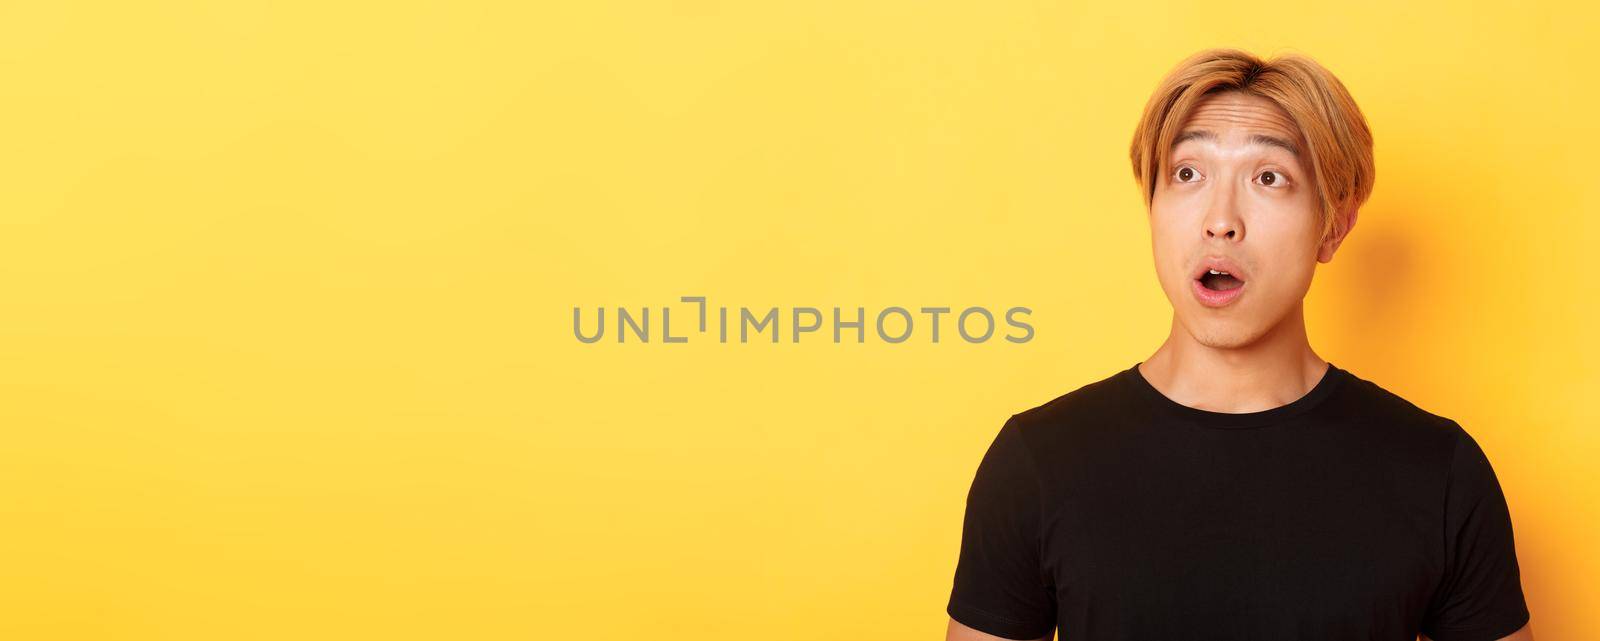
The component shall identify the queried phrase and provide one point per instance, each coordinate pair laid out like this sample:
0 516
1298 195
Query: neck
1271 371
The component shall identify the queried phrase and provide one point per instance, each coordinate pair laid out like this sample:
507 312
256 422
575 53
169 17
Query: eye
1186 174
1273 179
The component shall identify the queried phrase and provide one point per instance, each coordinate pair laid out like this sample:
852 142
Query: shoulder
1365 405
1083 408
1371 400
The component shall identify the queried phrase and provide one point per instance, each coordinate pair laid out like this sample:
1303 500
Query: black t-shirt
1115 513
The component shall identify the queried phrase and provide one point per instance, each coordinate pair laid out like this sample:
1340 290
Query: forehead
1233 117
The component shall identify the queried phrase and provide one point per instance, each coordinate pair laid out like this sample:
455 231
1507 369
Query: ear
1343 222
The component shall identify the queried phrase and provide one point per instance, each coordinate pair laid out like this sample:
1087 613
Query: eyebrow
1255 139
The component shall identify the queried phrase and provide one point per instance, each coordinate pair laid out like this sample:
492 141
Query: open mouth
1220 281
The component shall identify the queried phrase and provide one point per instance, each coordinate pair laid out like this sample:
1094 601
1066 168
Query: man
1235 485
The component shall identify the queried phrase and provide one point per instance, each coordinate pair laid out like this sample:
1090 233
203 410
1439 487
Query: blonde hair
1338 142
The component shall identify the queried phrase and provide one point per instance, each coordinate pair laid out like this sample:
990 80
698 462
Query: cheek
1171 208
1168 246
1291 225
1172 223
1287 217
1291 264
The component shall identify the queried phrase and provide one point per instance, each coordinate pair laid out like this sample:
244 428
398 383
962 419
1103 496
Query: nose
1222 217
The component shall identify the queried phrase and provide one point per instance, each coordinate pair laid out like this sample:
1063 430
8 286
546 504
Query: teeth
1216 272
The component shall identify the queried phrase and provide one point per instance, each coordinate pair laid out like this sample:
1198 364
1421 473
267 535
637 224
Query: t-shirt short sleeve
1480 598
1000 587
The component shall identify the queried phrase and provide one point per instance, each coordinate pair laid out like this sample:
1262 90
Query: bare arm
959 632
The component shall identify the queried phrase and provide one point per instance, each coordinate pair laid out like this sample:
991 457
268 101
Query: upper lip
1221 264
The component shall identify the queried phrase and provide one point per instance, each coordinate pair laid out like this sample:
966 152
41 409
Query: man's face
1233 197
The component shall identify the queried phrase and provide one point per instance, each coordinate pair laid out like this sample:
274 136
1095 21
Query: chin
1223 335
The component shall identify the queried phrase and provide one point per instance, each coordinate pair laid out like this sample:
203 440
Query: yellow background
288 290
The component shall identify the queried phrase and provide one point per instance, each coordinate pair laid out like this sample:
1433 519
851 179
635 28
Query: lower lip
1215 298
